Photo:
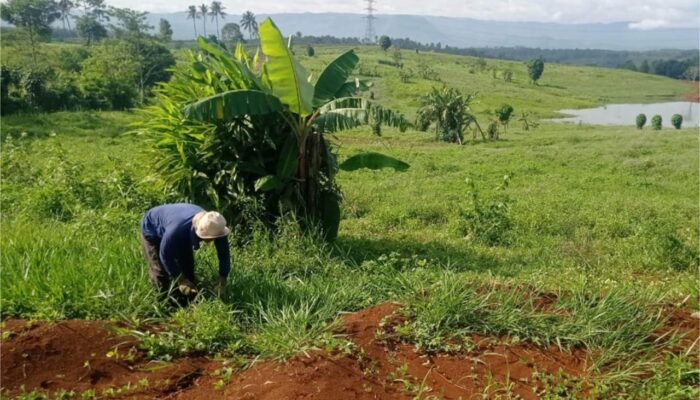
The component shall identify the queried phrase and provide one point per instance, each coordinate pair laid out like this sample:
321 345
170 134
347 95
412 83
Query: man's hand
221 286
186 287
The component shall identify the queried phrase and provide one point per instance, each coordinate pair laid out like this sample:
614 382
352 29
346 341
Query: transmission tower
370 34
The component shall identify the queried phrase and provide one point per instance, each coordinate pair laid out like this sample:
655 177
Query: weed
487 221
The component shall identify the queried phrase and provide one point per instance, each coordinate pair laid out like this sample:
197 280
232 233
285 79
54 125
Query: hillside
561 86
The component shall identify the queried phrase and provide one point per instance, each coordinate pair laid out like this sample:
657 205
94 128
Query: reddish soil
73 355
80 355
695 94
686 329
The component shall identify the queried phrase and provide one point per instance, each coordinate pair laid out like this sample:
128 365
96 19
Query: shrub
487 221
677 121
656 122
641 120
503 113
535 68
109 76
384 42
310 51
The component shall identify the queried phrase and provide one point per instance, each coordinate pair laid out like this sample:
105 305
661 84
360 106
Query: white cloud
642 14
649 24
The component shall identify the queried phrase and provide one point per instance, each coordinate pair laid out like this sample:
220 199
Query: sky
640 14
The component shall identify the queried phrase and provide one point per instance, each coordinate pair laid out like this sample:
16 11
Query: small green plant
656 122
503 113
207 326
310 51
487 221
405 75
640 121
527 121
677 121
425 71
508 75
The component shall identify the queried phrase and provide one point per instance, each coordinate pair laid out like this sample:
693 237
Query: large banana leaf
288 77
334 76
341 119
371 160
362 110
231 104
352 88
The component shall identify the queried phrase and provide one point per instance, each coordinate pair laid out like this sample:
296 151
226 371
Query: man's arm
168 250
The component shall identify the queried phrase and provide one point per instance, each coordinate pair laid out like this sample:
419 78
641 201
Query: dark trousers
159 276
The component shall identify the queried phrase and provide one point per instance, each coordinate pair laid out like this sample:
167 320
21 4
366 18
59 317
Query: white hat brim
226 232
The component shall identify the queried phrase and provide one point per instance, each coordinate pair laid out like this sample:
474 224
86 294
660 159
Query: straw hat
209 225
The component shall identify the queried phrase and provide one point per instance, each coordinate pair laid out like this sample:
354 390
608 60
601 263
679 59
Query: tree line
119 72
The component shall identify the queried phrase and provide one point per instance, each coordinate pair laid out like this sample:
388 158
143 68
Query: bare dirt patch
89 355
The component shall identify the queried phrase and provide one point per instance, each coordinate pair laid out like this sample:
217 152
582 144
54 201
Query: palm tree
216 11
203 11
248 23
193 15
64 7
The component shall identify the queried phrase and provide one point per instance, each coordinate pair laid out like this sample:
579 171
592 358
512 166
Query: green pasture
605 217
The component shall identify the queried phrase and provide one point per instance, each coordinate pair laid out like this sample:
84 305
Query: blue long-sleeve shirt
172 224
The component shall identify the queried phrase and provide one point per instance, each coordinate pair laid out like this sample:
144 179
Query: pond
625 114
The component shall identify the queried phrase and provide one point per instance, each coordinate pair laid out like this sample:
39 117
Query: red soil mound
491 368
381 370
80 355
73 355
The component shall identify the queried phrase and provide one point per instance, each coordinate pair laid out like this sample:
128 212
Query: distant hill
465 32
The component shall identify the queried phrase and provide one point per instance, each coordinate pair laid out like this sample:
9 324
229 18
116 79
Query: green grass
605 217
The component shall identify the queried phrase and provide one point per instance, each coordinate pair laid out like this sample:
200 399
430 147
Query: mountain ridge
461 32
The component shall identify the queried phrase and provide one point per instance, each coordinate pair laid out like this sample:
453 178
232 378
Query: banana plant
234 130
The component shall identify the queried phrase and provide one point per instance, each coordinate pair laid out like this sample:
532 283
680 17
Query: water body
625 114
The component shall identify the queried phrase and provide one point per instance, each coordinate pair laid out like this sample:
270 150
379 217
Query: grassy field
604 217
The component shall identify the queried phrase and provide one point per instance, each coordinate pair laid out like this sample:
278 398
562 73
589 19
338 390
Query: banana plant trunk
319 205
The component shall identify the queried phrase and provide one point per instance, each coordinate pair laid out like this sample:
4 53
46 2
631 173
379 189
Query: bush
640 121
384 42
677 121
656 122
310 51
109 76
535 68
487 221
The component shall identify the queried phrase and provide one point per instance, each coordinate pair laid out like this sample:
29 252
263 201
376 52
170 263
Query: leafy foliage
503 114
640 121
677 121
448 109
239 136
384 42
535 68
487 221
231 33
36 16
656 122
